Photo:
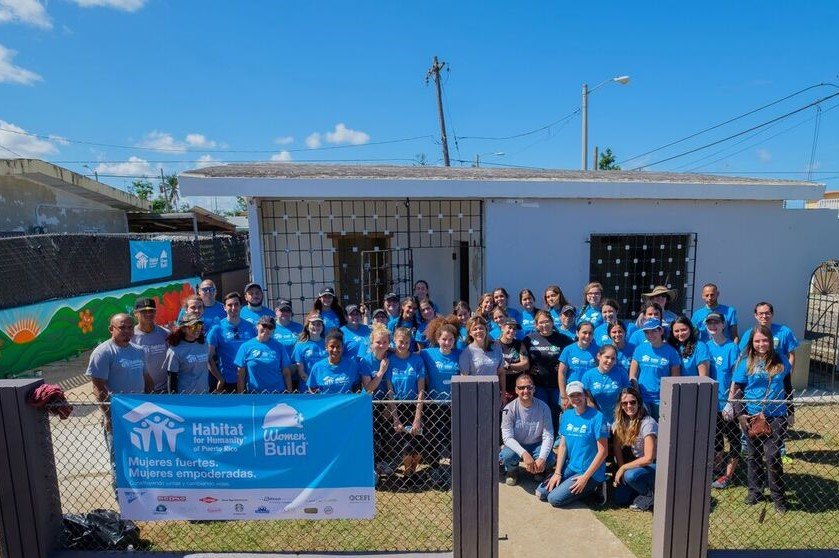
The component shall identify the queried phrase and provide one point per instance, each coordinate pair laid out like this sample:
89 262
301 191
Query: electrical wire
815 142
575 112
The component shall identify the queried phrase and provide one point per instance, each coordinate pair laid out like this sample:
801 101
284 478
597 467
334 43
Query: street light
95 173
621 80
477 162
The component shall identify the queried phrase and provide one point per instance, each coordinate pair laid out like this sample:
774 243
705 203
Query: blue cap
651 324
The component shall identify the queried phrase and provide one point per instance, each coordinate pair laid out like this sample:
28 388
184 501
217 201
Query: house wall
754 250
25 205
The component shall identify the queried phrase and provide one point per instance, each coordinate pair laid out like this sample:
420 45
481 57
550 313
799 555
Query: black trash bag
99 530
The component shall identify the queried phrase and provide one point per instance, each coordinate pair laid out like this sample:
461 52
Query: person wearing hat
664 297
516 360
581 453
724 354
380 316
567 322
253 309
651 362
309 349
356 334
330 310
391 307
263 363
711 296
225 339
287 331
186 357
152 339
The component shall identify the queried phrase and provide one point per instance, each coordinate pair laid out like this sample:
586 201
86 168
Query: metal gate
822 326
385 271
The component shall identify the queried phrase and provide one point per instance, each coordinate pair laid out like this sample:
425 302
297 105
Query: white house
367 230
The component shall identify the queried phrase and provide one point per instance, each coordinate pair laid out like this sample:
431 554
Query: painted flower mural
86 321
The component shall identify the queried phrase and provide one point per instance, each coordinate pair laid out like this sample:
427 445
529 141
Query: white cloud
124 5
206 161
12 138
343 135
60 140
284 140
764 155
31 12
281 157
135 166
313 141
165 141
199 140
9 73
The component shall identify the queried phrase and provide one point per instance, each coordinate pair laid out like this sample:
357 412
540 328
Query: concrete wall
754 250
25 205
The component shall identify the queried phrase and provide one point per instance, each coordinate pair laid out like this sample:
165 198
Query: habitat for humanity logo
153 423
282 432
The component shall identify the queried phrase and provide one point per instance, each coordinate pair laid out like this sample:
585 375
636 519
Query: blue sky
329 81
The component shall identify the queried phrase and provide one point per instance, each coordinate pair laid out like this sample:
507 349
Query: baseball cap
651 324
351 308
267 321
391 296
568 308
509 321
574 387
145 304
715 316
284 304
314 317
381 311
327 291
252 285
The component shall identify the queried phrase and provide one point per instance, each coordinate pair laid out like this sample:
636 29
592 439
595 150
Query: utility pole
434 72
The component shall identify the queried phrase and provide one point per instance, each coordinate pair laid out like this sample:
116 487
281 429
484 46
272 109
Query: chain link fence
413 491
800 460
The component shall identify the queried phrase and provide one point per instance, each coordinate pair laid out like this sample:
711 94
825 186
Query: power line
738 134
816 129
575 112
729 121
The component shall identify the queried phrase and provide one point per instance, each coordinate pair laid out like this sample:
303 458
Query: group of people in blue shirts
586 367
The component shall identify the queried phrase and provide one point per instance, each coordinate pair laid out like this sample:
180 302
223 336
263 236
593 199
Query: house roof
197 219
362 181
54 176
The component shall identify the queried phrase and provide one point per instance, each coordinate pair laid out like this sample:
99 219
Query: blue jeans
635 482
510 459
562 495
551 397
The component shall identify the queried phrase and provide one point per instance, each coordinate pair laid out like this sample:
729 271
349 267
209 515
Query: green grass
418 521
812 491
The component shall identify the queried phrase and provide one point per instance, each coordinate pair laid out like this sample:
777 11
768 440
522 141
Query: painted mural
34 335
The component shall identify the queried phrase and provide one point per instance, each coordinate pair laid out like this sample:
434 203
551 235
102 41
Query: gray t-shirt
523 425
121 368
475 361
154 346
189 362
648 427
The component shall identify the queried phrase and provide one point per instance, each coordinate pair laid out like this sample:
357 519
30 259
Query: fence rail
413 492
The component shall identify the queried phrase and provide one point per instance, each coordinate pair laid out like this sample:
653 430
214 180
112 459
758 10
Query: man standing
287 331
152 339
783 338
711 296
527 433
224 340
117 365
254 308
213 309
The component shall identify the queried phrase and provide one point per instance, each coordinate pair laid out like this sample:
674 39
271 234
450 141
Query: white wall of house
754 250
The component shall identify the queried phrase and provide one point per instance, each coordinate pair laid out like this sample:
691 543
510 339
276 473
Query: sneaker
511 478
721 482
780 507
642 503
752 498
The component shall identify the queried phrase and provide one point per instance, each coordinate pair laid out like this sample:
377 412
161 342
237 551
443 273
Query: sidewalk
529 528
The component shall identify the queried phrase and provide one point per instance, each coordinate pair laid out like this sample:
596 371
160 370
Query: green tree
607 160
142 188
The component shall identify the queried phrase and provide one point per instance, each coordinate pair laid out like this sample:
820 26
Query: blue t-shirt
265 363
334 378
581 433
287 335
606 388
403 374
356 340
756 388
369 366
419 335
654 364
592 315
528 322
227 339
783 339
578 361
461 339
252 316
723 359
555 316
212 315
308 353
690 365
439 369
698 320
330 320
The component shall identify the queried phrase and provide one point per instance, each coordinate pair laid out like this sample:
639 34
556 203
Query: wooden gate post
683 467
476 410
30 508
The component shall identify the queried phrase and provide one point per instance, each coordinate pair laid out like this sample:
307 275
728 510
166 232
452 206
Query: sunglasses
208 289
632 403
525 388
